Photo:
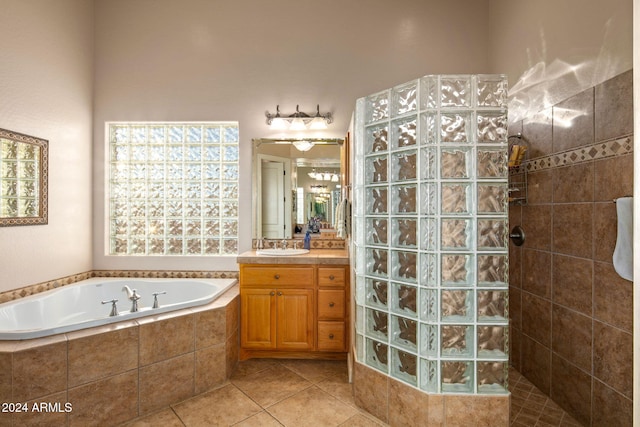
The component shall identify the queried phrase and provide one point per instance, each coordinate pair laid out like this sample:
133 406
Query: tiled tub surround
115 373
571 314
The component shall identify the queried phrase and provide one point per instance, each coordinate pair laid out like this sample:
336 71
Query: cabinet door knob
330 336
279 294
331 304
272 293
277 276
332 277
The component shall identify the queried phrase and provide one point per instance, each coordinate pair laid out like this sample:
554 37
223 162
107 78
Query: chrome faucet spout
128 291
133 296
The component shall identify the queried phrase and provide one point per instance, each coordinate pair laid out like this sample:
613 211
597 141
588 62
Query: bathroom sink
282 252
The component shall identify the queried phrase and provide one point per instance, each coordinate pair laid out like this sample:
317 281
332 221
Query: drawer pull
279 294
332 277
331 304
330 336
277 276
272 293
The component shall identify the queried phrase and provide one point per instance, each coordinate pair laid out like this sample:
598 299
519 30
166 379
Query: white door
272 200
273 187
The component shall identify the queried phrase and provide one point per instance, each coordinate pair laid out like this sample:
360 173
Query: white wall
172 60
553 49
46 91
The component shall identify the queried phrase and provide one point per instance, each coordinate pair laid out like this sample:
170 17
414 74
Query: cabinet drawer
331 276
331 304
277 276
331 336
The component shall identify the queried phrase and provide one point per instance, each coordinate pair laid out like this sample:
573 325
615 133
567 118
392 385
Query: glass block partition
173 188
431 233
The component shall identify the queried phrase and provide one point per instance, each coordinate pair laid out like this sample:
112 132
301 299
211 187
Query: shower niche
430 206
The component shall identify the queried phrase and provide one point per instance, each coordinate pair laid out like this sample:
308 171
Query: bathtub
79 306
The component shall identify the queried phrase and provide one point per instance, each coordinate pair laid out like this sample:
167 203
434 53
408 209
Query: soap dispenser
307 240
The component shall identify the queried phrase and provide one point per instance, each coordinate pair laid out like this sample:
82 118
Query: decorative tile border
328 243
68 280
597 151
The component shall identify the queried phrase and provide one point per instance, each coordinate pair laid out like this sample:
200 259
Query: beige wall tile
233 316
210 327
613 178
613 297
614 409
6 368
536 320
211 367
370 391
539 187
407 406
605 230
98 356
165 339
109 401
232 350
573 122
537 131
515 261
537 226
480 411
573 283
572 184
573 229
536 277
536 364
614 107
572 336
571 389
39 371
612 351
166 382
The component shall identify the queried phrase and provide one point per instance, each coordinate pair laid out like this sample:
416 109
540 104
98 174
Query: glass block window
173 188
430 221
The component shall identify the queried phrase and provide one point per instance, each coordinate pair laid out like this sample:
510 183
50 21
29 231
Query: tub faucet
133 296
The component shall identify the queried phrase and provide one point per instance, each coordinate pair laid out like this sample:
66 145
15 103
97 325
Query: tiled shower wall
571 314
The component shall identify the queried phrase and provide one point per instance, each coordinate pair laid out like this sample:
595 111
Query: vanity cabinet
293 311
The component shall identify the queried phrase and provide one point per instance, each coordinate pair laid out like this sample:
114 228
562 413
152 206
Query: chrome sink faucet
284 243
133 296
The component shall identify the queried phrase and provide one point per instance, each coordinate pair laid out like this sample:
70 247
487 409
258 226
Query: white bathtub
78 306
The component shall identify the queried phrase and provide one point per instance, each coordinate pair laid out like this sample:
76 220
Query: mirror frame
43 146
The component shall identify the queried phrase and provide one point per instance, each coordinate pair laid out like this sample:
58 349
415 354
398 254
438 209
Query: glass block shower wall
431 232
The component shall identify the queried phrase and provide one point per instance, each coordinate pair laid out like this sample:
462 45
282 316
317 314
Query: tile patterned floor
265 392
315 393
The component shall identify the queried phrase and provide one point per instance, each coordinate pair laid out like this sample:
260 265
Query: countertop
315 256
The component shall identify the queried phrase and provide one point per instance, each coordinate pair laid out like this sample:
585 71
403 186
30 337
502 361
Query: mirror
296 190
23 179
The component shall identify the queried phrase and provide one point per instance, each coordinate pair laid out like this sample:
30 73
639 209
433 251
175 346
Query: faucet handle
114 309
155 298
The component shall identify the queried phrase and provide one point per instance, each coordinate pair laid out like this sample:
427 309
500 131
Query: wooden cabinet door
258 318
295 316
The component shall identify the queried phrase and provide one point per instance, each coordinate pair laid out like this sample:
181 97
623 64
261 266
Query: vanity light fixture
298 120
